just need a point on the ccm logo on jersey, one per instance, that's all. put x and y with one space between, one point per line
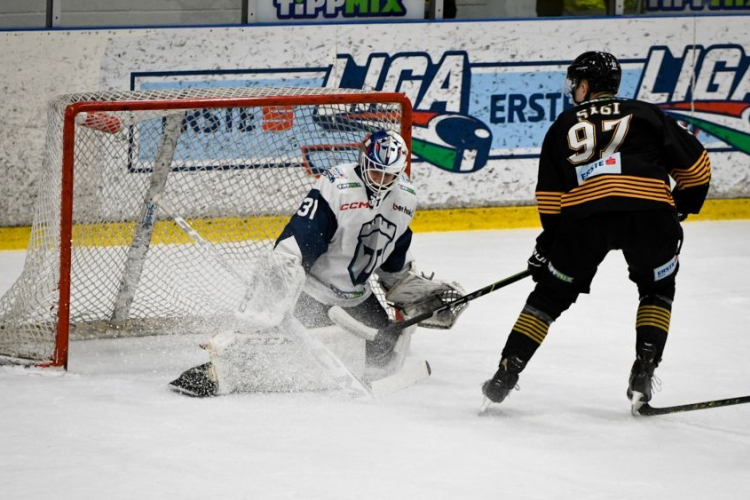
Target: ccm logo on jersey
355 205
408 211
609 165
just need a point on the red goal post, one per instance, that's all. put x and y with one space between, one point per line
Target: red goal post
107 259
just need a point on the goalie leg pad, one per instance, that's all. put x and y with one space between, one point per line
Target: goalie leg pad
273 360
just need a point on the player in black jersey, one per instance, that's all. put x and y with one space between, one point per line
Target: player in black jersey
604 184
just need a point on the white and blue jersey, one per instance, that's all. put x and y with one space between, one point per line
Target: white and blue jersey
342 238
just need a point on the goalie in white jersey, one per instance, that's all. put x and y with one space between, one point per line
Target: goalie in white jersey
352 225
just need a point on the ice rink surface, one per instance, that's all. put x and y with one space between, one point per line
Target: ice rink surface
110 429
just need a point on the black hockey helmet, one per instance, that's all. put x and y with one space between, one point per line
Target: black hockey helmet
600 69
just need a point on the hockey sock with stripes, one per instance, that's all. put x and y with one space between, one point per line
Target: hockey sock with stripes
652 322
528 333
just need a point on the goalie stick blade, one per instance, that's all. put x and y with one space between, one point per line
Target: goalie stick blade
407 376
648 411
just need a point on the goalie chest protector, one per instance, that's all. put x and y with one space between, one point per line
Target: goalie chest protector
365 235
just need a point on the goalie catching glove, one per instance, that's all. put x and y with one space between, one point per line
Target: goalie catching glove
417 294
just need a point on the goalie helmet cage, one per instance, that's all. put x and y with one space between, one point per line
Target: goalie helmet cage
128 175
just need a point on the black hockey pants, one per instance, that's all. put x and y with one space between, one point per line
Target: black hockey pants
650 241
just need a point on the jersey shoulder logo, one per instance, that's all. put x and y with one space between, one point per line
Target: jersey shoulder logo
334 173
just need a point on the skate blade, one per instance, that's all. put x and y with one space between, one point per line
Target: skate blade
486 402
636 403
185 392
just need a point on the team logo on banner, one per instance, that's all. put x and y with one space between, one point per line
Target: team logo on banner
705 87
444 131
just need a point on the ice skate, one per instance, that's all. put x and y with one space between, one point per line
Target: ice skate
497 388
198 382
641 379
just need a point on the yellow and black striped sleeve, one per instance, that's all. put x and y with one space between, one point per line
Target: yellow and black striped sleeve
690 168
549 191
549 202
697 174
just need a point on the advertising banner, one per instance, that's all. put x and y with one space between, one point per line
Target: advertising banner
269 11
484 93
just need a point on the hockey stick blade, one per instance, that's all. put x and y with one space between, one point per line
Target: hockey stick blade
648 411
395 327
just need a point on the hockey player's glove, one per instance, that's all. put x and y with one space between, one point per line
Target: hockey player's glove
537 263
689 200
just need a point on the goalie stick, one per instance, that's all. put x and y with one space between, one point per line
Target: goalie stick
648 411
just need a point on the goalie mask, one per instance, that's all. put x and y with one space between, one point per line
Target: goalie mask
600 69
382 160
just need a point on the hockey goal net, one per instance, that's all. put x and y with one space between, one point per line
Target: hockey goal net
154 205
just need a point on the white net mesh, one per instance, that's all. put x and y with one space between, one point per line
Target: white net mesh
230 164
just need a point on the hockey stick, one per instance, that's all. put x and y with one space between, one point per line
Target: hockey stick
339 316
345 379
397 327
648 411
